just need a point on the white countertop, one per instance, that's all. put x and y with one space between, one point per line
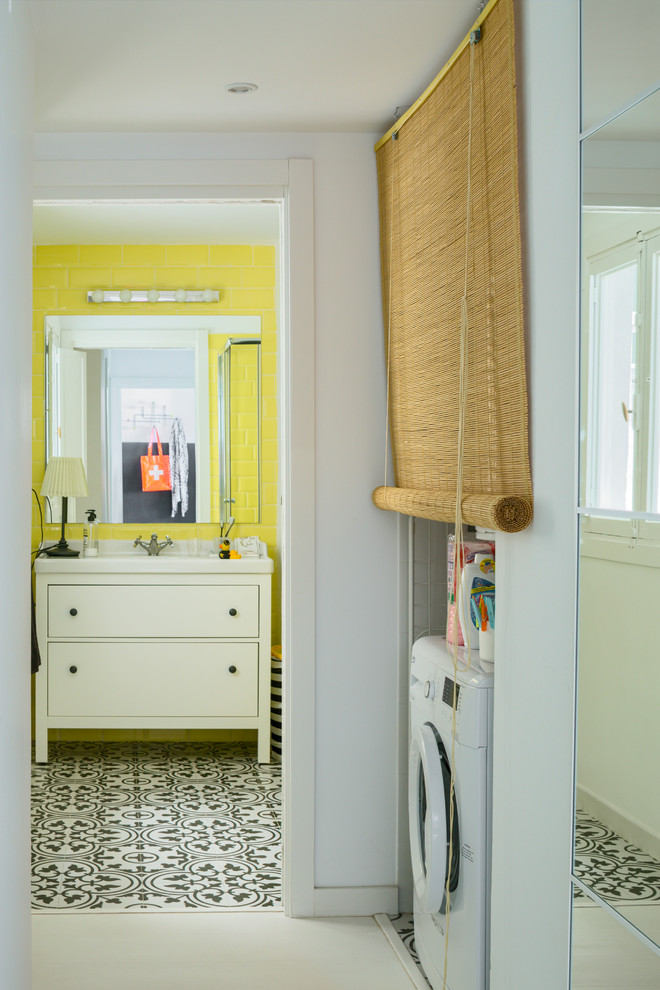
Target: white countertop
140 562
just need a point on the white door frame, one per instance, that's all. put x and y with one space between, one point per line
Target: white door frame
291 181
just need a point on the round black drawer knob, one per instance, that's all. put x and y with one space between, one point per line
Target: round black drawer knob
73 670
232 611
232 669
73 611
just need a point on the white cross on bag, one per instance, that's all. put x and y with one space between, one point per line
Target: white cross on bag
156 472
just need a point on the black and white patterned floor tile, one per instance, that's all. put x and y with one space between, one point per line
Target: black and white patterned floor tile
403 925
614 868
155 827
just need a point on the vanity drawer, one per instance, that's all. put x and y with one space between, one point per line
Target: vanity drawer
152 679
146 611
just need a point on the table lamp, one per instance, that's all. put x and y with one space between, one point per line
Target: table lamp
65 477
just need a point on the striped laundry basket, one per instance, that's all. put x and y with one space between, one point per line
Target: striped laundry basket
276 704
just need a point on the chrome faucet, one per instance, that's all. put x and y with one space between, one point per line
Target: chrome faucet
153 547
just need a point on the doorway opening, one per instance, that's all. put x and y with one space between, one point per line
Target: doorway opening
205 788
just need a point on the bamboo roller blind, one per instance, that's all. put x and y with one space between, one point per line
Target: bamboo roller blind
423 191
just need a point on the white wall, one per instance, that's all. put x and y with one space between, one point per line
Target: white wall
15 415
536 569
357 646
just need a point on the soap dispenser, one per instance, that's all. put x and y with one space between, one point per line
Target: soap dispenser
90 534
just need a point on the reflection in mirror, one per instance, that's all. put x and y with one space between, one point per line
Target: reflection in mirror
617 828
239 430
112 402
620 362
620 413
117 386
619 55
149 406
607 954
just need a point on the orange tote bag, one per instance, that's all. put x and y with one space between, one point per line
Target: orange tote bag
155 467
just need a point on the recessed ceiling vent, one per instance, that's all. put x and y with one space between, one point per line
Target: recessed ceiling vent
241 88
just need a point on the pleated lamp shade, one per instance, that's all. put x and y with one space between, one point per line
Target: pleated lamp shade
65 476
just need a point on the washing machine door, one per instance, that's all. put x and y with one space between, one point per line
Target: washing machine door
429 789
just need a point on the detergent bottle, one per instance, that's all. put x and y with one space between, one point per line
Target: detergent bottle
455 563
476 599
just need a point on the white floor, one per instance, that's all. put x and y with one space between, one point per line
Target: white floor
228 951
607 956
246 950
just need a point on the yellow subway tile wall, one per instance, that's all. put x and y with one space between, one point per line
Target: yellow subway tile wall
245 276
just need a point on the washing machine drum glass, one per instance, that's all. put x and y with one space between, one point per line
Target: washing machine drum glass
434 858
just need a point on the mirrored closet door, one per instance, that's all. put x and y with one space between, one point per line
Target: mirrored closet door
617 826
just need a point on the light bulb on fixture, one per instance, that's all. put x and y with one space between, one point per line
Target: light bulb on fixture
153 295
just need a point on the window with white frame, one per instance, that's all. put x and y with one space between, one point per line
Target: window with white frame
621 374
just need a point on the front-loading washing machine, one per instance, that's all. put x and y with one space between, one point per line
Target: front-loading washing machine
451 715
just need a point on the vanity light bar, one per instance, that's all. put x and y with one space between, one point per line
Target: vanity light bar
153 295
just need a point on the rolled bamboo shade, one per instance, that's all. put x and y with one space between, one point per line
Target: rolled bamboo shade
423 180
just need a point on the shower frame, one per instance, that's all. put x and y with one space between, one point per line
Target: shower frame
224 427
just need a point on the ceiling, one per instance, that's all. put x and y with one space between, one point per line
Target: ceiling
320 65
162 66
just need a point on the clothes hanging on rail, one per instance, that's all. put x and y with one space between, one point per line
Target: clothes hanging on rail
178 452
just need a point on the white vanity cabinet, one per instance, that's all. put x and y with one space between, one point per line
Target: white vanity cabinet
153 642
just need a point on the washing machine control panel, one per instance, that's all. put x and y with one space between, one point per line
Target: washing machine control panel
451 692
451 697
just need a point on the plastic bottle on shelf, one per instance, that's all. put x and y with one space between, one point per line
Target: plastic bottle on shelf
470 548
477 584
90 534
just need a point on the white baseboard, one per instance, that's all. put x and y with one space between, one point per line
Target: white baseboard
345 902
628 828
404 956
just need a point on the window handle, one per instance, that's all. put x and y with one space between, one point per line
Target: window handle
626 412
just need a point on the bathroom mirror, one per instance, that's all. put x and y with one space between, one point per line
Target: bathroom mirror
116 384
617 829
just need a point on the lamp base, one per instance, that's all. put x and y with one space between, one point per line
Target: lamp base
62 549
